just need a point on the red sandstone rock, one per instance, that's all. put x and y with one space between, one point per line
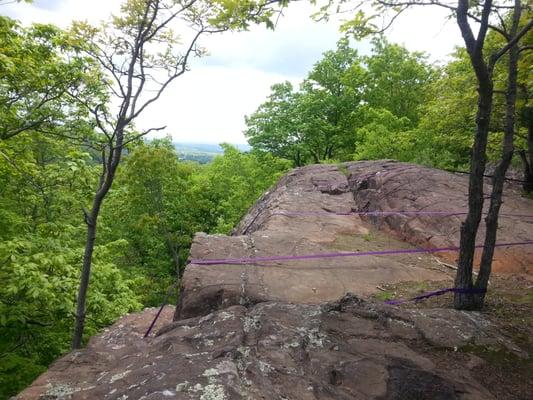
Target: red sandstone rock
277 330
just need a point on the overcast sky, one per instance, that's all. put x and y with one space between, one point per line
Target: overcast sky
208 103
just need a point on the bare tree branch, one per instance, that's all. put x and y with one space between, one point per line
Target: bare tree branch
495 57
181 68
142 134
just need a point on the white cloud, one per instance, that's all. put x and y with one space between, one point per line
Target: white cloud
426 29
62 12
291 49
208 104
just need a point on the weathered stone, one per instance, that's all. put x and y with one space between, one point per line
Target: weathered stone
288 329
296 217
393 186
272 350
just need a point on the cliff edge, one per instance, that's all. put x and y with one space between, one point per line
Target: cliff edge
367 206
265 321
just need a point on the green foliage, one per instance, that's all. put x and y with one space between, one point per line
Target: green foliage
348 104
54 98
47 174
147 225
39 275
16 372
43 184
43 180
390 104
397 80
314 124
273 127
383 136
149 208
444 136
38 66
226 188
384 295
239 14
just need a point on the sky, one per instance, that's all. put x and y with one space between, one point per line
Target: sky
208 103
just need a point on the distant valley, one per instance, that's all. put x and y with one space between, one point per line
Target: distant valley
202 152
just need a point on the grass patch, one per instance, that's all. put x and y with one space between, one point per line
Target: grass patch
384 295
422 286
368 237
527 195
527 298
500 358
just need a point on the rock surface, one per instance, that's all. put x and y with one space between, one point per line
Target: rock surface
349 349
389 186
289 330
300 216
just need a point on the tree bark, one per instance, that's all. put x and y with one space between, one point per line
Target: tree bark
530 144
527 185
527 158
491 221
498 180
85 273
110 166
475 298
469 228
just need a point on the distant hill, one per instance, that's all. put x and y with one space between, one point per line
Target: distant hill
202 152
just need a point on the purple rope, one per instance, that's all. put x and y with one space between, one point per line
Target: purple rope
154 320
387 213
165 301
435 293
218 261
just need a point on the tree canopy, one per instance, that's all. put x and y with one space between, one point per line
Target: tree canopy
69 100
342 104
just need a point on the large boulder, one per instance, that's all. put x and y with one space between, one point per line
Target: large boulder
308 212
389 186
349 349
289 330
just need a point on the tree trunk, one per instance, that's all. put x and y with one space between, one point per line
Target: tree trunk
330 152
91 220
110 166
527 185
491 221
470 226
530 144
468 298
327 152
298 159
527 158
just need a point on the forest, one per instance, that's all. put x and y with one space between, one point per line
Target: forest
71 156
390 104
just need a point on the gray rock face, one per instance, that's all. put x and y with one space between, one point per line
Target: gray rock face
349 349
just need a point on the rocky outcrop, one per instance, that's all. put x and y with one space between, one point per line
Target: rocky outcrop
390 186
349 349
300 215
291 329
